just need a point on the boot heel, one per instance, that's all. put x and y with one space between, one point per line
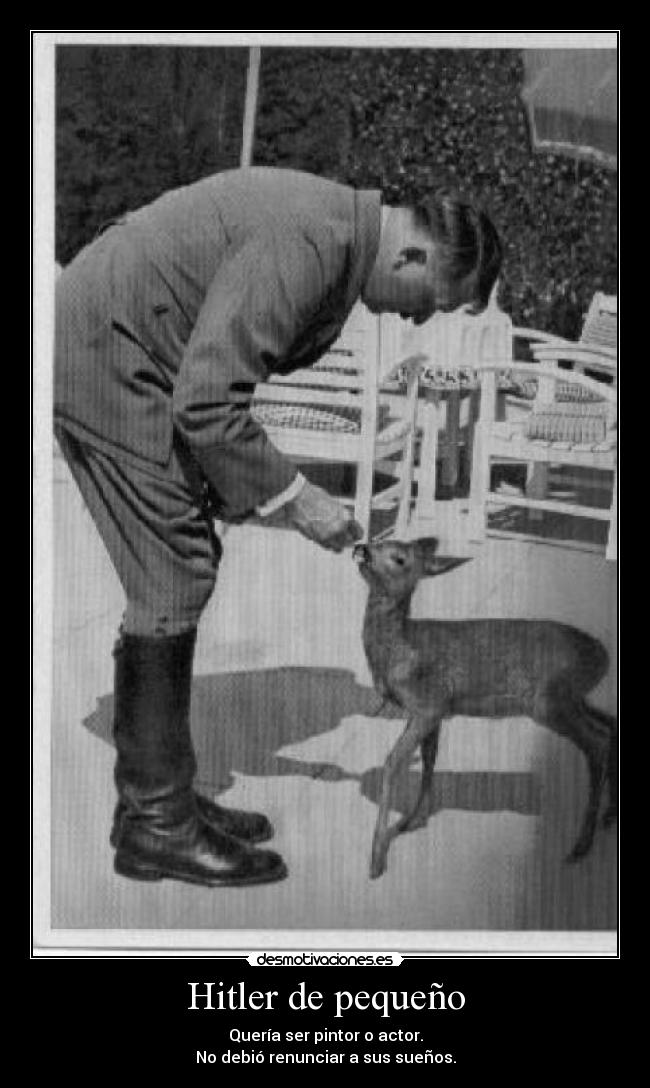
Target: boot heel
136 870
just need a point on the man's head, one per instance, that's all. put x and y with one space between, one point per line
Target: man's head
438 255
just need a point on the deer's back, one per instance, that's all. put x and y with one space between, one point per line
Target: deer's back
518 658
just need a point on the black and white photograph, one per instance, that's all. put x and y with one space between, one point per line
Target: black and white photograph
325 492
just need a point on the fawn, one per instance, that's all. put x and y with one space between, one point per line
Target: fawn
435 669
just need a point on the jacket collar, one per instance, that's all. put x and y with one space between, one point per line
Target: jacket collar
367 227
334 312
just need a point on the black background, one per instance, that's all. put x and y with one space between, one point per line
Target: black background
521 1018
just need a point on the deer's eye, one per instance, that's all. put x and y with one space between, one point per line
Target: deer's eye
400 560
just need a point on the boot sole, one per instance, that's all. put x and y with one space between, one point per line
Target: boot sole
143 871
249 840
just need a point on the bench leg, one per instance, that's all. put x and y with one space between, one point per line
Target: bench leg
537 485
452 440
406 483
479 484
428 418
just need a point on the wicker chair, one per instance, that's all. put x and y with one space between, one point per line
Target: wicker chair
453 349
573 422
335 412
597 348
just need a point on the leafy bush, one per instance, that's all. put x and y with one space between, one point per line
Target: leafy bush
134 121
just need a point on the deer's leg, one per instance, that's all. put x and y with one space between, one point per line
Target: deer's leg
608 726
611 812
416 730
596 762
572 719
420 812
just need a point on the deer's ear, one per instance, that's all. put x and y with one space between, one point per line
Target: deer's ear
432 563
440 564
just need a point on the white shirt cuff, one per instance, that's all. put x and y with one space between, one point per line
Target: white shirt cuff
289 493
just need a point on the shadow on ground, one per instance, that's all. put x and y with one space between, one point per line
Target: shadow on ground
241 721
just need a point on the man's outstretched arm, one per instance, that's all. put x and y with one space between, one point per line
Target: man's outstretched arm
258 303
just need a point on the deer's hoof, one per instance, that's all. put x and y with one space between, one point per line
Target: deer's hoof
578 853
377 867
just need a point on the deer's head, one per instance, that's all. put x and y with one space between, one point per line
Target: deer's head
394 568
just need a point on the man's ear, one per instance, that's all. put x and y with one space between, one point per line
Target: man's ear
432 563
410 255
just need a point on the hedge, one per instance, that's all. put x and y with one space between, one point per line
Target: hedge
134 121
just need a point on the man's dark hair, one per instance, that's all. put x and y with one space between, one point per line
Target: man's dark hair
471 248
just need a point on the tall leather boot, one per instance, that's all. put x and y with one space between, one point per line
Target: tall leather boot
249 826
252 827
161 832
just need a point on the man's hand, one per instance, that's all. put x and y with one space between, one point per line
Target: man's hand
322 519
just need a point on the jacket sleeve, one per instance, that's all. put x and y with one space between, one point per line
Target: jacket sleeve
258 302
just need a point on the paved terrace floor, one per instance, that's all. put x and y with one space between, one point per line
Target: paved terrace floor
284 721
